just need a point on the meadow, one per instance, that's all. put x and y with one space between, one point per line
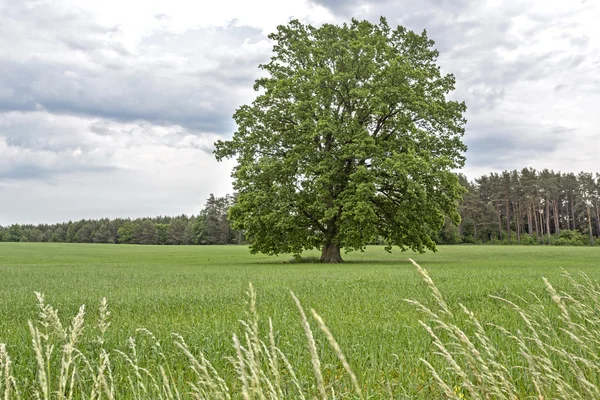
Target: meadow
201 293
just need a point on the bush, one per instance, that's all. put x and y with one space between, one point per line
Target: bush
450 234
494 238
512 239
569 238
561 242
527 239
469 239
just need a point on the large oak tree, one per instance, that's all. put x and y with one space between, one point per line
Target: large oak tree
351 139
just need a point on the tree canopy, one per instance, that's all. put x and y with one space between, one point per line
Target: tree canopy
210 226
350 138
527 207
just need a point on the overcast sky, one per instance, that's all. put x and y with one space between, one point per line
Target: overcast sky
110 108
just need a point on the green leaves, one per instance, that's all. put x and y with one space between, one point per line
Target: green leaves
350 138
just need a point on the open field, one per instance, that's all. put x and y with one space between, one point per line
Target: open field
200 292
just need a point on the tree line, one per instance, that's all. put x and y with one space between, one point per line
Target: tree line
513 207
210 226
528 207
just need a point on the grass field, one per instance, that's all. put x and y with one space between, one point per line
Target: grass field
200 293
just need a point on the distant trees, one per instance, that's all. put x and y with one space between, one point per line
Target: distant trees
146 232
15 234
215 224
103 234
211 226
528 207
514 207
176 234
125 233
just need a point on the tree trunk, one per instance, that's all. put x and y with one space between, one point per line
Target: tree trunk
529 222
590 225
565 214
548 219
556 216
573 210
499 221
508 217
541 221
534 212
597 219
517 214
331 254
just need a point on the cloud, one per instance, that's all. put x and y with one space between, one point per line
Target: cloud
505 146
191 79
112 110
91 168
45 146
37 172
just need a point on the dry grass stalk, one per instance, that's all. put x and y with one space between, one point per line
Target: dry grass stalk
338 351
312 348
436 293
559 354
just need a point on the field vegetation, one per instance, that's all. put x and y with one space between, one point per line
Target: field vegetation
202 293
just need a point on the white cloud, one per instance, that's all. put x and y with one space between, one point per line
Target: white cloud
105 169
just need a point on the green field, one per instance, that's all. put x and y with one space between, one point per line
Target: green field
200 292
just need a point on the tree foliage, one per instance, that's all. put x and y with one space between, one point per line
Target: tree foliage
211 226
350 138
215 223
529 206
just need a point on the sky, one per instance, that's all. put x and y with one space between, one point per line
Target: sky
110 108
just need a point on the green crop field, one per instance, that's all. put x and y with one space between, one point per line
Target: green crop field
200 292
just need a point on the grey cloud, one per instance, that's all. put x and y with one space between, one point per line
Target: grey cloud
14 87
483 97
343 6
190 79
509 146
35 131
139 94
25 172
347 8
79 195
37 172
579 41
43 146
42 131
492 72
143 133
33 21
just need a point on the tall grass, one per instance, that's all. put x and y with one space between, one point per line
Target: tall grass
557 355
